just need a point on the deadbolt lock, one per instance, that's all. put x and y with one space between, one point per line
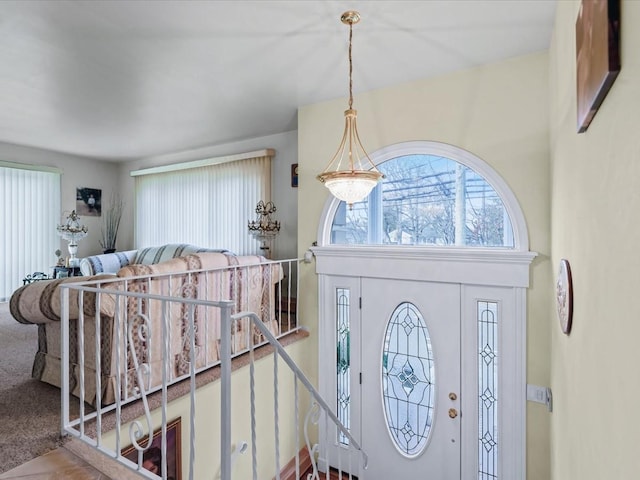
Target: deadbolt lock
453 413
453 396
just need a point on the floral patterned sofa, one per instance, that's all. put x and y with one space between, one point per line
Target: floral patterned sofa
133 327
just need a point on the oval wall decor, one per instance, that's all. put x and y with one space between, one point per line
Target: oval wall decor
564 296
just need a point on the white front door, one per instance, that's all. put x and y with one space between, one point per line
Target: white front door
410 394
475 317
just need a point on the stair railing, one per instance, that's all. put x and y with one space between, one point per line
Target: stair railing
319 409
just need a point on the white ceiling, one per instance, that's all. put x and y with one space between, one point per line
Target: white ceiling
129 79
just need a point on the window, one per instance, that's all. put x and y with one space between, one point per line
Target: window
29 213
204 203
426 200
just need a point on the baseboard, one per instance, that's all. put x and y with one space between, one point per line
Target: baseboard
289 470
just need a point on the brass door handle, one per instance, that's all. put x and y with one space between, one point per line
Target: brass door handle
453 413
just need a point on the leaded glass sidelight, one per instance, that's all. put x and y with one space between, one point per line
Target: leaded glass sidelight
343 361
488 389
408 386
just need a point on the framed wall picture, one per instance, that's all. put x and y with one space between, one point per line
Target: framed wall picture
564 296
597 55
88 202
152 456
294 175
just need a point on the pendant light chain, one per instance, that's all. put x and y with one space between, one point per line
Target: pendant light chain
350 67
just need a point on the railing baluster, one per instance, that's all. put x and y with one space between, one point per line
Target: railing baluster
192 372
64 342
296 423
289 280
339 449
202 294
225 394
80 347
166 306
125 338
252 396
98 354
276 413
116 327
165 377
326 447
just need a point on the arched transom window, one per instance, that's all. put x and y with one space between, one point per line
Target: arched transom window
426 199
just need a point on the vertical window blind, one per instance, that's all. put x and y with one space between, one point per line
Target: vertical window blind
205 205
29 214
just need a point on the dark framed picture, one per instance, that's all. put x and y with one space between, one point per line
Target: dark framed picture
597 55
564 296
152 456
294 175
88 202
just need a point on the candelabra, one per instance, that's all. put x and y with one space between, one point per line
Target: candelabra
264 228
72 231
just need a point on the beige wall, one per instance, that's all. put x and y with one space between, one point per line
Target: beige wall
499 112
76 172
596 199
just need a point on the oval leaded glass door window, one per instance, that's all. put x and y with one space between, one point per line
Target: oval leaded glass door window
408 386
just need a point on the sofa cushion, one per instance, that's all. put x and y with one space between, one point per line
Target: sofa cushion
106 263
154 255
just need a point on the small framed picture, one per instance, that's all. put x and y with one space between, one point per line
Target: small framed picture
294 175
88 202
597 55
152 456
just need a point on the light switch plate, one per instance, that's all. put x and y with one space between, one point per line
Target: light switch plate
538 394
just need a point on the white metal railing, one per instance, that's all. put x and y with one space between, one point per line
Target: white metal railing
318 410
126 341
88 426
140 335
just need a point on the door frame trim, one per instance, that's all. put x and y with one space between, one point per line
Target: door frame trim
477 266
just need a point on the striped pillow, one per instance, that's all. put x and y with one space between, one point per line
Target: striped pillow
153 255
106 263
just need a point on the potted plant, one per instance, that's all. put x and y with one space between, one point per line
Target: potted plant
110 223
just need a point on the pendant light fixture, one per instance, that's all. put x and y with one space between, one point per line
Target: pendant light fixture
350 175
